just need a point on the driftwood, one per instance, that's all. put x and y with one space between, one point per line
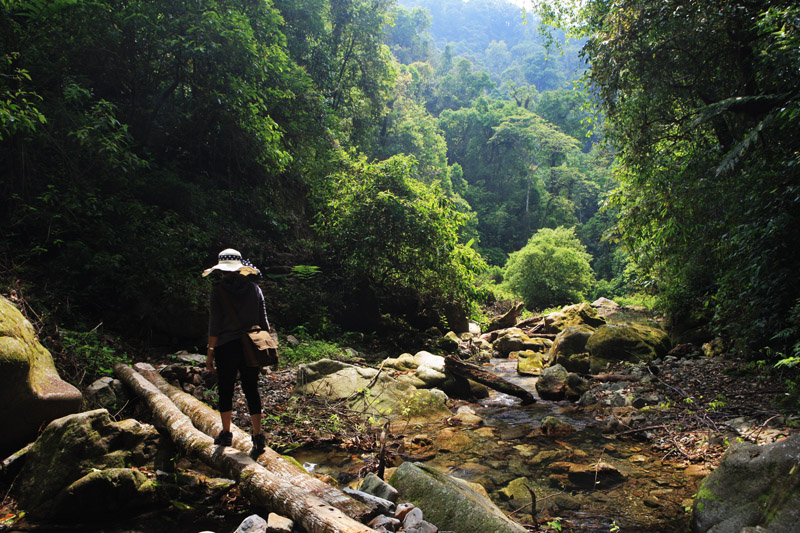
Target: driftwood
508 319
207 420
458 367
538 320
614 377
259 485
533 335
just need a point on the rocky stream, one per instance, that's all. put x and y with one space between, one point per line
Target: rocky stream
609 444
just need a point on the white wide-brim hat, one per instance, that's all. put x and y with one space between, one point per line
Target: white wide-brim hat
230 260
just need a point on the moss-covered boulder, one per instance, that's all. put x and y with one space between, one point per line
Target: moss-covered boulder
105 493
530 363
515 340
754 486
557 384
578 362
31 391
581 314
569 349
625 342
553 383
84 455
372 392
448 502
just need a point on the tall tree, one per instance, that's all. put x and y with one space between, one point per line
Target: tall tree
703 106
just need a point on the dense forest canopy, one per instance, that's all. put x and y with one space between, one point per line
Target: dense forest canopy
384 161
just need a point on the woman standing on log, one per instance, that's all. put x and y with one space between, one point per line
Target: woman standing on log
236 303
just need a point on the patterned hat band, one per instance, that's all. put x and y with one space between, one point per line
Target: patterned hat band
231 260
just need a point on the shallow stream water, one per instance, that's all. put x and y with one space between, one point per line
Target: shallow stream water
510 445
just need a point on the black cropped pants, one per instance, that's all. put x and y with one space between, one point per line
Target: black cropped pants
229 360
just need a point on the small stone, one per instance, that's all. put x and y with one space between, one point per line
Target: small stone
422 527
252 524
568 502
652 501
412 518
292 340
402 510
279 524
375 486
388 523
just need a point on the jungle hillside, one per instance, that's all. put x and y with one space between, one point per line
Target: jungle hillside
394 167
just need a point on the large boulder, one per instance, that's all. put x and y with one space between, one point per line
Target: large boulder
373 392
450 503
515 340
557 384
529 363
581 314
569 349
754 486
88 459
626 342
31 392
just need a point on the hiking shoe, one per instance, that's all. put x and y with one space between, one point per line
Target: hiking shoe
259 443
225 438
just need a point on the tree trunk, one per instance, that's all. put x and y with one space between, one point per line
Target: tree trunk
460 368
207 420
259 485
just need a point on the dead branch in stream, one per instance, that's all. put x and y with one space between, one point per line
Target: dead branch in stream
262 487
456 366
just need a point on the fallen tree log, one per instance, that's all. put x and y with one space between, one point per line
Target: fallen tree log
457 367
259 485
614 377
207 420
534 335
538 320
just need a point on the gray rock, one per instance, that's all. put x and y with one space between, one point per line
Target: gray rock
381 505
195 359
292 340
449 503
375 486
605 302
422 527
106 393
385 523
252 524
552 385
753 486
412 518
567 501
67 462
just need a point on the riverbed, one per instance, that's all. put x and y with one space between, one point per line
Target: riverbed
633 490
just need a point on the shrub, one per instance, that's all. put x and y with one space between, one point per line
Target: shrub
552 269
